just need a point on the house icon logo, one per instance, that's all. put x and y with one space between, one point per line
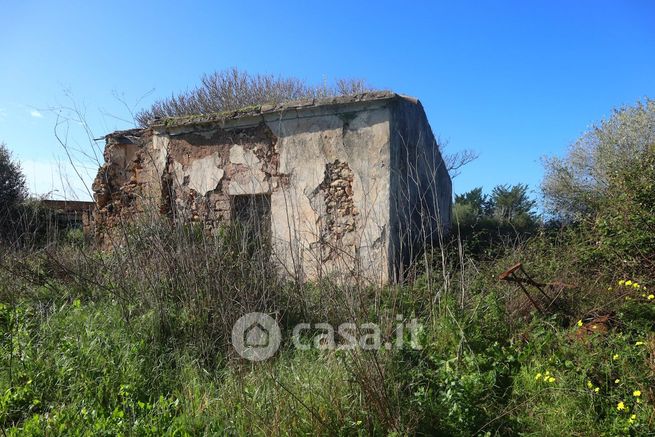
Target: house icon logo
256 336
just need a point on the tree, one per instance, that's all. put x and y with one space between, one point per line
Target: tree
233 89
507 203
483 219
478 202
606 185
576 186
13 191
512 204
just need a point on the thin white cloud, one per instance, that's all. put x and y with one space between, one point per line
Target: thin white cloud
36 114
57 180
3 114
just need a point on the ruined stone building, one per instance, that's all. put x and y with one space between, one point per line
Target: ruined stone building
352 184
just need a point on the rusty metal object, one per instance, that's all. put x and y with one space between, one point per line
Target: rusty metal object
517 275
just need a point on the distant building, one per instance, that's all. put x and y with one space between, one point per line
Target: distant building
70 213
341 185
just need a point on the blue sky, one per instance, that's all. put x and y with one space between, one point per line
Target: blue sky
512 80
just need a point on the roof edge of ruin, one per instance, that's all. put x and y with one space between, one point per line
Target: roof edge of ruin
291 105
128 133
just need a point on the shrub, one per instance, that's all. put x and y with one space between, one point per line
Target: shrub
581 184
234 89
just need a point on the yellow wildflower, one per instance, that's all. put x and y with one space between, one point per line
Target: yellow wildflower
622 281
633 417
537 376
639 343
551 379
596 389
635 285
651 296
620 406
636 393
615 357
579 323
628 283
617 380
589 384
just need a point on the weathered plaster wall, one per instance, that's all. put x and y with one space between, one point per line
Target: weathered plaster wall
421 189
332 218
206 166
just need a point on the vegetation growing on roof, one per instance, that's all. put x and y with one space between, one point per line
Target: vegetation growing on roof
234 90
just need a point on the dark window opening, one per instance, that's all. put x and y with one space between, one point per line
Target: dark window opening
252 215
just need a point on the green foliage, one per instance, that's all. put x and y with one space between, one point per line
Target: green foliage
512 204
624 224
75 237
13 188
13 191
615 236
460 379
75 361
606 185
83 369
594 383
23 221
581 184
78 369
477 202
485 221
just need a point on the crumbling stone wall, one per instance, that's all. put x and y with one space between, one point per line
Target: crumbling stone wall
204 170
193 180
339 223
119 181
